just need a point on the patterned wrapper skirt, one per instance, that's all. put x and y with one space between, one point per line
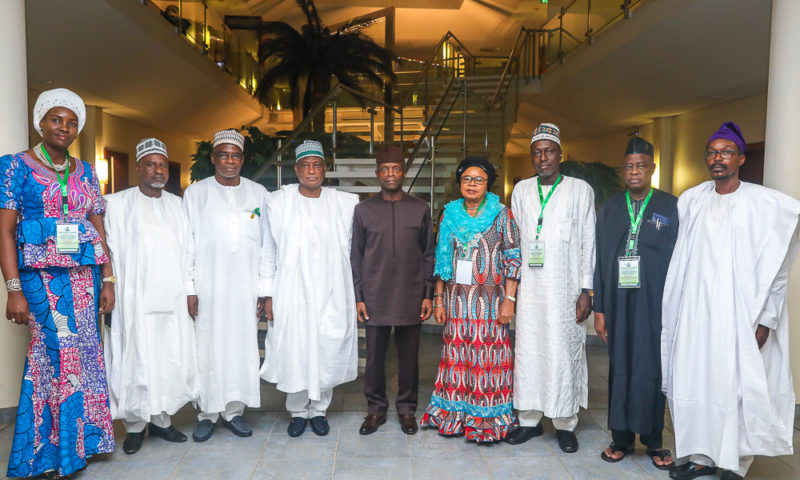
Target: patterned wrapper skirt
473 392
63 416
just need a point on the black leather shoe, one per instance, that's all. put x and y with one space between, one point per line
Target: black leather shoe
296 426
567 441
170 434
523 434
728 475
203 430
690 470
408 424
319 425
133 442
371 423
238 426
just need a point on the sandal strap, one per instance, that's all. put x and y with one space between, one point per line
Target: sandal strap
661 453
619 448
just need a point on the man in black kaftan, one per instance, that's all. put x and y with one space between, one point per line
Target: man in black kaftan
636 233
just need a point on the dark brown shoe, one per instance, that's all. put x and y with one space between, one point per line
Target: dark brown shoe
408 424
371 423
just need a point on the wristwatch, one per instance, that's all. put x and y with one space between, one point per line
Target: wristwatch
588 291
112 279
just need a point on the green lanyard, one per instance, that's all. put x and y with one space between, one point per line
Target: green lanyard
635 221
63 181
543 200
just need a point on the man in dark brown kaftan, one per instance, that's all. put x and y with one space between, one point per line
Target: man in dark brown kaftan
392 256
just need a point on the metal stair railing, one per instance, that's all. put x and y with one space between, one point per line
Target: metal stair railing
331 97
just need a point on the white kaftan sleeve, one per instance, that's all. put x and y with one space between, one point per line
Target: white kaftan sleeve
776 298
266 272
189 268
587 236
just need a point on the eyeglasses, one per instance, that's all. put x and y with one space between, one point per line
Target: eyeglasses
311 165
547 151
725 154
225 155
478 180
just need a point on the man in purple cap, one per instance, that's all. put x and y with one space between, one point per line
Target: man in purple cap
725 338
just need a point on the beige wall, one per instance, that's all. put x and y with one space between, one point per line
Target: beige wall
691 132
121 135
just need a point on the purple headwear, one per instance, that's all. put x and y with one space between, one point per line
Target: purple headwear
730 131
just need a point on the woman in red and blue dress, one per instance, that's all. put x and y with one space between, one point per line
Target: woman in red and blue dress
478 260
52 254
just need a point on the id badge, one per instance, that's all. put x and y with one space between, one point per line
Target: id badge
536 254
67 240
628 272
464 272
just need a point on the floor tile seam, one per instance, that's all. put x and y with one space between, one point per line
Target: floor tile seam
336 450
180 463
566 468
263 448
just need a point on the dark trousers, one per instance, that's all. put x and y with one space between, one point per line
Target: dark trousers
407 341
626 437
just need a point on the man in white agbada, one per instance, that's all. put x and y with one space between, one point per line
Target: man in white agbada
556 217
226 287
725 335
311 344
150 346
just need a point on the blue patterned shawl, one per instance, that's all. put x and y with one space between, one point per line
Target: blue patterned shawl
458 224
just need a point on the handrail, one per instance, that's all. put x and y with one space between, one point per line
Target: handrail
410 159
428 63
512 56
319 107
433 141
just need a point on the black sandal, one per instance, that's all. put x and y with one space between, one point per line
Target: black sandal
614 449
661 453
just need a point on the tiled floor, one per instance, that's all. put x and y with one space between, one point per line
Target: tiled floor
388 454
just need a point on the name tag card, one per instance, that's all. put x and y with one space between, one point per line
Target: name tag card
628 272
67 238
536 254
464 272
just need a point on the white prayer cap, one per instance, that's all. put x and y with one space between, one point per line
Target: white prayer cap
229 136
546 131
309 148
146 146
58 97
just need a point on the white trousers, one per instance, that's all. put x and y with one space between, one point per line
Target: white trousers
744 463
232 409
299 405
161 420
532 418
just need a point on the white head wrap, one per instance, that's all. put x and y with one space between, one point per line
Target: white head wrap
546 131
58 97
229 136
146 146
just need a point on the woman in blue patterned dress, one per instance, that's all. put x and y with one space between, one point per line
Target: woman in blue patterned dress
478 259
52 253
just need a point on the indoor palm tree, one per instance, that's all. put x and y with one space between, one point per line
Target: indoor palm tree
308 60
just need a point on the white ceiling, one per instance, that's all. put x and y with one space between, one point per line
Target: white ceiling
671 57
122 56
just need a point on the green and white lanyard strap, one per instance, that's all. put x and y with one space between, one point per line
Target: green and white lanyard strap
62 181
543 201
635 222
